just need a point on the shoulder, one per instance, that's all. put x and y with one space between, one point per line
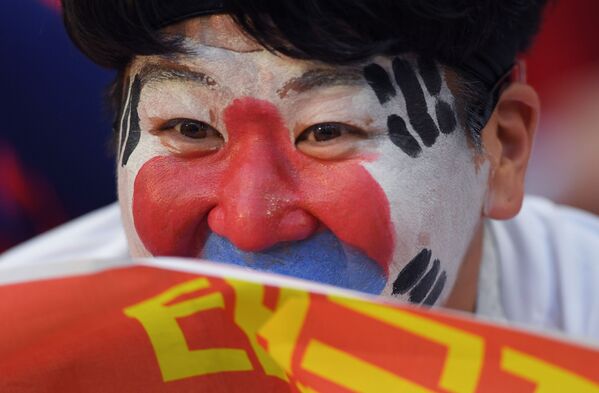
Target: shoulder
97 235
549 267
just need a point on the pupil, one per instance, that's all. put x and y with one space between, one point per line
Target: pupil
325 133
193 130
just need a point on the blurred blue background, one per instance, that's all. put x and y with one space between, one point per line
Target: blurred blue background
55 160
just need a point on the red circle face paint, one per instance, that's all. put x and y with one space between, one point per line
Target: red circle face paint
258 191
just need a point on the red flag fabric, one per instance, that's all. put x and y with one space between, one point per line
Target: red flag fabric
147 327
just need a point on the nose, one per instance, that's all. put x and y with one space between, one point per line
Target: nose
259 202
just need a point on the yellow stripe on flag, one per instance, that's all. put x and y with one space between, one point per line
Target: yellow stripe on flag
465 351
175 359
283 329
548 377
353 373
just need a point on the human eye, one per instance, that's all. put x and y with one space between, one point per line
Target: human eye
329 140
189 136
192 129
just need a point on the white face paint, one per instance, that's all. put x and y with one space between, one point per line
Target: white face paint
239 150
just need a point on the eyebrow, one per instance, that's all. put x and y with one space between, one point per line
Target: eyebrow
174 72
321 77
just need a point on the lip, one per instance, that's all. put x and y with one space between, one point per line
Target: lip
322 257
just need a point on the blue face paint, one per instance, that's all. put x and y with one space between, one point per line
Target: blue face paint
322 257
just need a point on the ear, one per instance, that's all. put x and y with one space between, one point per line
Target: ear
507 139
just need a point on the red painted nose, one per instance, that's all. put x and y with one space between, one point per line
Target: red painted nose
259 203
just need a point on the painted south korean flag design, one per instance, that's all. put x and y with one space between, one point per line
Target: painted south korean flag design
431 192
428 172
322 257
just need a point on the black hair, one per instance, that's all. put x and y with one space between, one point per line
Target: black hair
461 34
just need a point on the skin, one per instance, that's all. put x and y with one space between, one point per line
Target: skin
292 151
507 139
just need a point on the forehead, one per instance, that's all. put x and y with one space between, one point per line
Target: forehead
215 46
217 31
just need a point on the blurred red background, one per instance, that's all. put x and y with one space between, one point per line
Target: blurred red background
564 68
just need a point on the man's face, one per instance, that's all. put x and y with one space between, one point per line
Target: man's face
357 176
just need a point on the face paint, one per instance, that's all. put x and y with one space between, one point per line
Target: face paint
252 194
378 79
130 139
451 187
321 255
420 119
351 176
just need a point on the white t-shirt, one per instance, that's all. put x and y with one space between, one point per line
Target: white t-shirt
540 269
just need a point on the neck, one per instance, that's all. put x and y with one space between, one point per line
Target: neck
464 294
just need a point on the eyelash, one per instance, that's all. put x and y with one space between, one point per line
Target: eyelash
325 141
173 124
340 127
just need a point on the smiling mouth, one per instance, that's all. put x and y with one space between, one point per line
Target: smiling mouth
322 257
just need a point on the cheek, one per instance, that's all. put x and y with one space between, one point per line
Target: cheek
435 204
353 205
262 171
170 197
173 196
